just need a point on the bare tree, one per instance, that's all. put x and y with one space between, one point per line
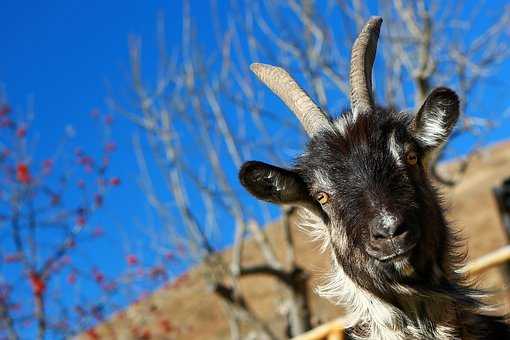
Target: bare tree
199 115
49 202
45 206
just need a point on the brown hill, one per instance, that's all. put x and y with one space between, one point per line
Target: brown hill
193 313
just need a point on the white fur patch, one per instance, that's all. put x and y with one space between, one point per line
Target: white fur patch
433 131
322 180
360 304
387 219
395 148
315 228
343 121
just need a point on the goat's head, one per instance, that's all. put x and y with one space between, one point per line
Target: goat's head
365 174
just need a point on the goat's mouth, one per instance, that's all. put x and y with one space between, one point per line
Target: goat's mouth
397 253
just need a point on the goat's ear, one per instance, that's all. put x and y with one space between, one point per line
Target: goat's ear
436 118
273 184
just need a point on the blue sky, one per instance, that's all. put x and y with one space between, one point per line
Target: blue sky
68 55
65 56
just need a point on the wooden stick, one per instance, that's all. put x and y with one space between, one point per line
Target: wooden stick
336 334
487 261
332 328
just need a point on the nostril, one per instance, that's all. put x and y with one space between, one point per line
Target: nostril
383 232
401 229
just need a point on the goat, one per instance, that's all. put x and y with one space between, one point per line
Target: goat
364 183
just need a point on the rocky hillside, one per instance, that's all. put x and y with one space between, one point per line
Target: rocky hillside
188 311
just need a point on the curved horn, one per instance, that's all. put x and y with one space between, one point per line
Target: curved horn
362 60
297 100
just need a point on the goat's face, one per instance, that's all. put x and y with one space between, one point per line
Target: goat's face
365 175
366 178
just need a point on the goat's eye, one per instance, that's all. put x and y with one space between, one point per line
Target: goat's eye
322 197
411 158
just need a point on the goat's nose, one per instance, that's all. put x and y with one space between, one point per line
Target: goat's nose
385 231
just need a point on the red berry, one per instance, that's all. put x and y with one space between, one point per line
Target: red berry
21 132
132 259
98 276
47 165
110 147
23 173
166 326
4 109
115 181
94 113
97 232
71 278
80 220
12 258
169 256
37 283
55 199
108 120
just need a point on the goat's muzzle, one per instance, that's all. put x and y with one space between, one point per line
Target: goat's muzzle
391 241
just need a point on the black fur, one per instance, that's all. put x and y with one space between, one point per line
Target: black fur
361 164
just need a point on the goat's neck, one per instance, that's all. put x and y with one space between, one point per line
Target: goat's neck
370 317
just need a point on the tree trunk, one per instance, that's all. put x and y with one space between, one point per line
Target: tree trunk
299 310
